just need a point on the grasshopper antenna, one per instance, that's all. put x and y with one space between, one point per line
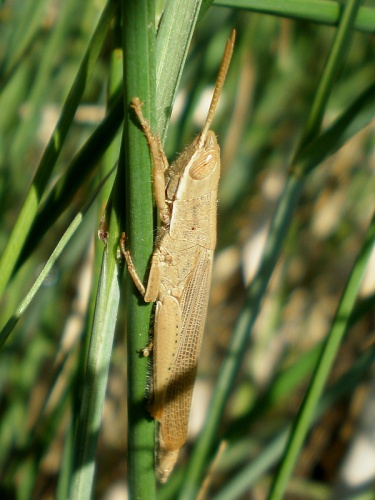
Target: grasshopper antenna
218 86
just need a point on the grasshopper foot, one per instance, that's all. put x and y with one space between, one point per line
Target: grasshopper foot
147 350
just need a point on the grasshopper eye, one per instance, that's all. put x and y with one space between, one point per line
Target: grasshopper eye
203 166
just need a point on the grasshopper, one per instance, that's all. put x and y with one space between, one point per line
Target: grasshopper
180 274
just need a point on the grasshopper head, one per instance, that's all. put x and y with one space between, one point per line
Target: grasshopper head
202 171
194 165
206 159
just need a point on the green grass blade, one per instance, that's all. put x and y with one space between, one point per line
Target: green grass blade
270 454
359 114
96 374
319 11
329 74
172 44
62 489
139 80
74 225
95 382
334 338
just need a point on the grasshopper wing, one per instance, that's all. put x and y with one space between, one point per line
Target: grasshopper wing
179 391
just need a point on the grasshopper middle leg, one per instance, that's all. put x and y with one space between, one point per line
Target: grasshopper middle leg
150 293
152 284
131 268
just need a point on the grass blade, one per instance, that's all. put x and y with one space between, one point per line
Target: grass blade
327 357
139 80
319 11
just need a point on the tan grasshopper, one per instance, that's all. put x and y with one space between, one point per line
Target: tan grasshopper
180 274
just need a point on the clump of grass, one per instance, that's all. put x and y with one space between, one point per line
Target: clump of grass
287 337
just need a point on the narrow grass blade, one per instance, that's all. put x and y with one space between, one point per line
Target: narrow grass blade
250 475
332 344
333 64
172 44
11 323
96 375
138 22
95 372
319 11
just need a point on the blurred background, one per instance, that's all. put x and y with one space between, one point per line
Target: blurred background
267 97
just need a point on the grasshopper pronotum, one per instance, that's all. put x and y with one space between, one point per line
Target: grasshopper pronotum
180 274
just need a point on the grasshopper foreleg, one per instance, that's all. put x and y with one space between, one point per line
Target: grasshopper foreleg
159 160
